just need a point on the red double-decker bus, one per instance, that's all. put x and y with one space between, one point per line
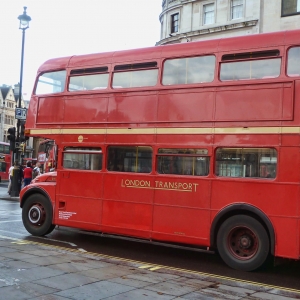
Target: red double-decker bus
192 144
5 161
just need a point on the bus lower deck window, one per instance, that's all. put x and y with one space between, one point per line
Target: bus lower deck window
137 159
246 162
183 162
82 158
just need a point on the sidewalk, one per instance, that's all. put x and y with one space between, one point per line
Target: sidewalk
5 196
31 270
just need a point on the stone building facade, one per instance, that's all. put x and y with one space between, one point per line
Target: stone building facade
8 102
192 20
7 111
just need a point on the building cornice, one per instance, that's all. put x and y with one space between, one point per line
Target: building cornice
204 31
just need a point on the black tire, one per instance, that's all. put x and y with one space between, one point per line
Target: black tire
243 243
37 215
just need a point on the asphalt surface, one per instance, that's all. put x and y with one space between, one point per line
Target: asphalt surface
31 270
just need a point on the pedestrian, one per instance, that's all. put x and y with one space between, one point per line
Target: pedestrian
10 175
27 172
36 170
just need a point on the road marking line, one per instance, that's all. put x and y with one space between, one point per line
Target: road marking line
21 243
38 237
155 268
145 266
11 221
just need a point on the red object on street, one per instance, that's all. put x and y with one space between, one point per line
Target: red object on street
195 144
5 160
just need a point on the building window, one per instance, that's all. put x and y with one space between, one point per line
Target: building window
209 14
236 9
290 7
174 23
9 120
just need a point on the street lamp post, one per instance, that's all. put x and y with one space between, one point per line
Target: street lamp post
16 182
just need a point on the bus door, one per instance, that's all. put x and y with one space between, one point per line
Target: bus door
181 210
128 191
79 186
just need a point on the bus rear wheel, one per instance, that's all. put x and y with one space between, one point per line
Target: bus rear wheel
243 243
37 215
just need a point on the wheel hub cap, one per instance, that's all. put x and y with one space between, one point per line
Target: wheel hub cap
34 214
245 242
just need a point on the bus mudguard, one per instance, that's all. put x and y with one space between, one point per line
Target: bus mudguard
242 209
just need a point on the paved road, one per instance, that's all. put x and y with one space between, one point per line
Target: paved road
71 269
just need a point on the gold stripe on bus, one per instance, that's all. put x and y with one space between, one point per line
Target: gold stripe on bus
185 130
131 130
159 131
248 130
84 131
290 129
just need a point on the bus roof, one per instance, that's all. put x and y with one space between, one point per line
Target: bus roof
151 53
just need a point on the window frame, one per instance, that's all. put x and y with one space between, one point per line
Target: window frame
243 152
110 164
147 66
97 150
250 60
287 63
206 154
51 71
173 25
231 10
204 13
162 72
291 14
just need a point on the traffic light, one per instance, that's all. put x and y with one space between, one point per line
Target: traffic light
23 147
11 137
23 138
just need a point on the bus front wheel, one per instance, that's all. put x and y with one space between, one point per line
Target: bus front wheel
37 215
243 243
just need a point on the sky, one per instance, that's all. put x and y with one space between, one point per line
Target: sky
61 28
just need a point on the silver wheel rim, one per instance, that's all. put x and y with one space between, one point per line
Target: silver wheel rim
34 214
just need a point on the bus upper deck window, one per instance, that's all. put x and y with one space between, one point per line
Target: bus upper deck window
293 68
135 75
88 79
189 70
138 78
252 69
51 83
